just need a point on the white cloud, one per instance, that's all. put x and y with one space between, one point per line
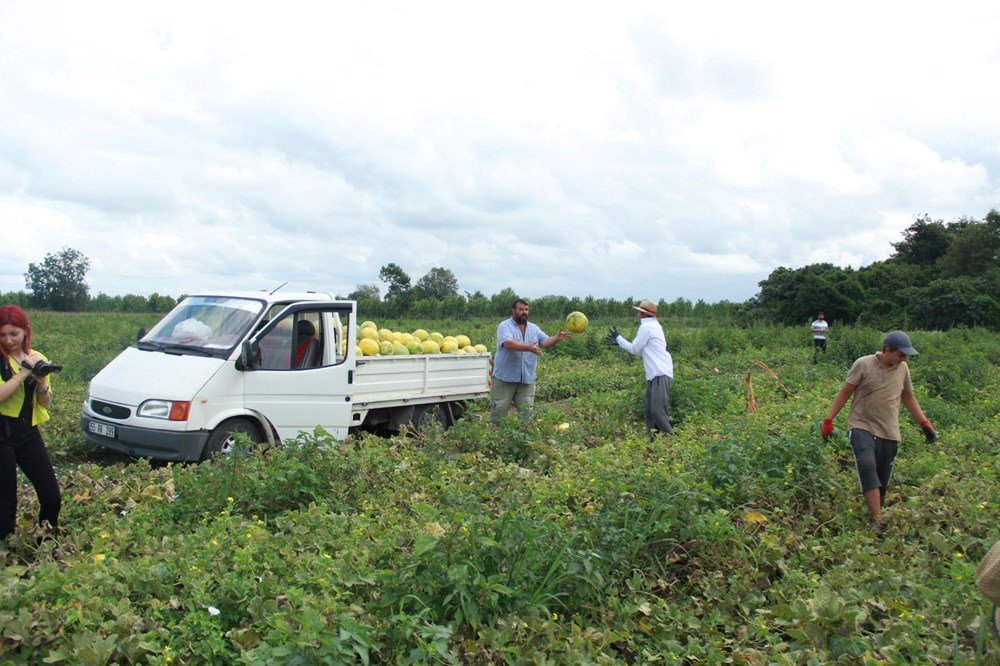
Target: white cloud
554 148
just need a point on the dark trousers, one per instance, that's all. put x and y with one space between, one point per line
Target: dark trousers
657 408
25 449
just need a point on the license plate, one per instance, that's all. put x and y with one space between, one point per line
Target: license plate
101 429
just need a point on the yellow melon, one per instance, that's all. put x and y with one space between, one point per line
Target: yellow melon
368 347
576 322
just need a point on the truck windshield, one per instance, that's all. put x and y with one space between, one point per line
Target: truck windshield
204 325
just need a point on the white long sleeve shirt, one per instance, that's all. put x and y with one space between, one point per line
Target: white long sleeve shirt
651 344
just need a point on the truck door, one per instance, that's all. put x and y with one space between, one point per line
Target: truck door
297 369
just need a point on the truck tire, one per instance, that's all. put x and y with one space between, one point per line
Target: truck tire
445 414
223 442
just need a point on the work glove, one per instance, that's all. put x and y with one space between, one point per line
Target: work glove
930 435
827 429
612 337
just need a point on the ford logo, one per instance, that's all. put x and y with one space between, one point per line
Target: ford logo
106 410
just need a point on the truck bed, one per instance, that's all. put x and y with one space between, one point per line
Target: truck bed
391 381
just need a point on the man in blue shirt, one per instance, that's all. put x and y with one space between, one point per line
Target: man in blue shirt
519 344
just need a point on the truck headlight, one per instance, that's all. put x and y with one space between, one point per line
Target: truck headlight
170 410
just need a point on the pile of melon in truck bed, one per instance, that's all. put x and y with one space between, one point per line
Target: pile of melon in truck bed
375 341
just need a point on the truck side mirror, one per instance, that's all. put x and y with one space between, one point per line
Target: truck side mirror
249 357
140 334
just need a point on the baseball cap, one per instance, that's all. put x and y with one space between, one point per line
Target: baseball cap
646 307
901 341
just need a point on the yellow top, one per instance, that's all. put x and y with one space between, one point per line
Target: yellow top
12 405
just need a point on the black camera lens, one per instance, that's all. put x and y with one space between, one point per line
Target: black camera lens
44 368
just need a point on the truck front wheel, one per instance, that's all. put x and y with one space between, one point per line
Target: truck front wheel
223 440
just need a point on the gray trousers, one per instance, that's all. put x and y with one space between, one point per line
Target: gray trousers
657 409
504 394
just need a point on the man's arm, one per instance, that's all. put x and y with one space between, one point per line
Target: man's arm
514 345
845 393
553 340
636 346
913 407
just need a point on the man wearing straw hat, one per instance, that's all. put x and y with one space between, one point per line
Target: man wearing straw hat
651 345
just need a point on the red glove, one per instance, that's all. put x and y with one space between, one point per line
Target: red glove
930 435
827 428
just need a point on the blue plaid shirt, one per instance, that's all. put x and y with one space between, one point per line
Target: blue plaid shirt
514 366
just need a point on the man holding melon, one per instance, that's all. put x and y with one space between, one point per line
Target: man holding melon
651 345
519 344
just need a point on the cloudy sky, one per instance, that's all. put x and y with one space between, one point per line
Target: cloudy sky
609 149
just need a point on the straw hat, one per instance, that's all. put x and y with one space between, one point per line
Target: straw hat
646 307
988 574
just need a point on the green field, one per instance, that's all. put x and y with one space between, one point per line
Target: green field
741 539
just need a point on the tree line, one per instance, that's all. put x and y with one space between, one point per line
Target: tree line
940 275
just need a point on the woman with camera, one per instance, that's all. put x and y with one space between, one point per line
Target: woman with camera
24 399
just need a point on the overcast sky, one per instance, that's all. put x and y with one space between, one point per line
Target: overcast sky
646 150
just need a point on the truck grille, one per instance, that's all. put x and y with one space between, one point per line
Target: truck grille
109 411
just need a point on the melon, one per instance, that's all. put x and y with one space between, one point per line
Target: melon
576 322
385 348
384 335
481 349
431 347
415 347
420 334
358 351
368 333
368 347
463 341
436 337
399 349
369 324
449 346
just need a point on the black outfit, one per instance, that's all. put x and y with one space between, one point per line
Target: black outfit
21 446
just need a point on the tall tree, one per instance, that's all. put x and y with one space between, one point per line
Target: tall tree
924 242
365 292
59 281
439 283
398 280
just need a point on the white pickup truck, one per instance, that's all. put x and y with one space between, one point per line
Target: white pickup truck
270 366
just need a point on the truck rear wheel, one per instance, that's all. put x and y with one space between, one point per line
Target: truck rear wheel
445 414
223 440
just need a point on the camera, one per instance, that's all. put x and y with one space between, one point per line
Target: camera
43 368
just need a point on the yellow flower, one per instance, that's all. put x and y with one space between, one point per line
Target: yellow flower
100 557
555 616
214 542
230 500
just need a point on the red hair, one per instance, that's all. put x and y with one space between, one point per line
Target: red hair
15 316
